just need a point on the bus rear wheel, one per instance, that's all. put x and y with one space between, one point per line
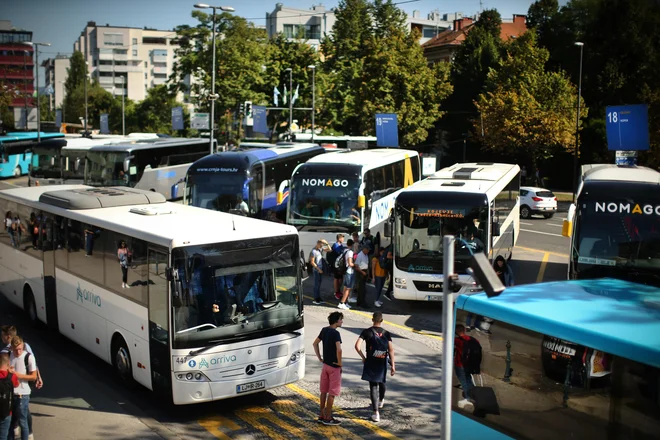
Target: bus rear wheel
121 360
30 306
17 171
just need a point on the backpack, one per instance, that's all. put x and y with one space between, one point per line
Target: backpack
340 263
6 396
377 346
383 262
331 257
471 359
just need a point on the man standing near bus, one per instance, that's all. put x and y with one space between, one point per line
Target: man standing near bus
361 273
316 261
349 276
332 363
26 371
337 251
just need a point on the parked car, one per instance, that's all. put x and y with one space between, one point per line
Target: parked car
537 201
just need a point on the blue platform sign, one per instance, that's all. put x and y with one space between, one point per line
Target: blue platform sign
627 127
177 118
387 130
104 123
260 120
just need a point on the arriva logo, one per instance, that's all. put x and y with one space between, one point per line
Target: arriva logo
627 208
412 268
325 182
217 361
83 295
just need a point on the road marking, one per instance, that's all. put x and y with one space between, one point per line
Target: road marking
539 232
369 425
263 419
307 419
547 224
558 254
213 425
544 263
402 327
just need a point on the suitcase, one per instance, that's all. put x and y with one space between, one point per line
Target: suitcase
484 399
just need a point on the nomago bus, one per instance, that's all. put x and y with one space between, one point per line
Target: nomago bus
16 154
347 191
476 202
615 224
253 174
209 312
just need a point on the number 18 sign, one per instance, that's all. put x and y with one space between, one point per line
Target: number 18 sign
627 127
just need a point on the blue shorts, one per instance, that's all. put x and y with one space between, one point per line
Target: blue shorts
349 280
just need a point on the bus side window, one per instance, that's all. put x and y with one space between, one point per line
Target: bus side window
398 174
368 195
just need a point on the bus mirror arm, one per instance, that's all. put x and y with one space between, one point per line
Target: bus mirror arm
280 191
485 276
495 229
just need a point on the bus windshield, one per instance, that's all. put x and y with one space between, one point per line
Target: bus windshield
421 223
106 168
235 290
73 164
325 202
218 191
47 163
618 236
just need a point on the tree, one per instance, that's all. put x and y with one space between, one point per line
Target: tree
74 101
154 113
540 17
528 111
490 21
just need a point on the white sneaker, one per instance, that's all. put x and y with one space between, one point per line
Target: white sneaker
127 286
352 300
17 432
378 303
342 306
381 403
123 285
31 437
375 417
348 307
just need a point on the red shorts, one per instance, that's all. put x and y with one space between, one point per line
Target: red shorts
331 380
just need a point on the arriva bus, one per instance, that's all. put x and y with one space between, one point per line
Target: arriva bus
569 360
476 202
615 225
245 181
48 163
16 154
348 191
151 164
193 313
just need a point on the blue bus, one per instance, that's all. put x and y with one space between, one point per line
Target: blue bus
246 181
570 359
16 151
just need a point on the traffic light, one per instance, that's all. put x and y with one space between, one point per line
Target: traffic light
248 109
240 108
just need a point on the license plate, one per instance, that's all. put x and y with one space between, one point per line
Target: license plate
434 298
251 386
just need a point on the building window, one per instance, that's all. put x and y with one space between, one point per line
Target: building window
145 76
134 52
145 64
159 52
120 51
113 39
154 40
429 33
298 31
134 41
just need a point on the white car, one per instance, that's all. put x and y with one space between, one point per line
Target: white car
537 201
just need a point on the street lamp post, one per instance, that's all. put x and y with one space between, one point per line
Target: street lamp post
63 112
288 69
36 53
213 95
123 120
85 82
577 124
313 67
25 53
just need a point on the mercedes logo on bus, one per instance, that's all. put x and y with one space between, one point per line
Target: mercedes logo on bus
250 369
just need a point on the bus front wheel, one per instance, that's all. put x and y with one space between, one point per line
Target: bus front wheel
121 359
17 171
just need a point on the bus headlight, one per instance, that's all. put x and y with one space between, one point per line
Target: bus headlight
296 356
196 376
399 280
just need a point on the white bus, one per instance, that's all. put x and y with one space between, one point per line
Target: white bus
477 202
347 191
150 164
200 313
615 224
48 167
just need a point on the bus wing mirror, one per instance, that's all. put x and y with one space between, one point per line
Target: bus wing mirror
280 191
387 229
361 201
485 275
52 161
496 229
567 226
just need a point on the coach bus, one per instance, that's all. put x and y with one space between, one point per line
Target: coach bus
15 151
246 181
48 163
476 202
348 191
193 313
350 142
569 359
151 164
615 224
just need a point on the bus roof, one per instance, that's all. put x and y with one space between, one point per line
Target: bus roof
257 154
619 173
146 144
614 316
170 224
27 136
477 177
372 157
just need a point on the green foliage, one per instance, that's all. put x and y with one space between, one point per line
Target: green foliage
490 21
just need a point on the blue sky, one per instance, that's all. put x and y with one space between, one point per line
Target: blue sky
60 22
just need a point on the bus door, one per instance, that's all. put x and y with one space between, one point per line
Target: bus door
49 237
257 188
159 352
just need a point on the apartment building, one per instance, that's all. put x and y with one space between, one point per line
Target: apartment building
432 25
17 73
56 72
127 60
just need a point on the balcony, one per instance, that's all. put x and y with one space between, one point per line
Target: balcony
159 59
104 80
106 56
159 81
118 91
17 59
158 70
118 69
118 57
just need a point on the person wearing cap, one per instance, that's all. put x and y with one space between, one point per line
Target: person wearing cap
361 271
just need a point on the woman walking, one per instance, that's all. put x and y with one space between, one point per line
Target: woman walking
122 255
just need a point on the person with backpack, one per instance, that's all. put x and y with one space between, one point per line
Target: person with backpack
332 256
22 364
467 360
316 261
8 382
345 265
379 271
379 350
